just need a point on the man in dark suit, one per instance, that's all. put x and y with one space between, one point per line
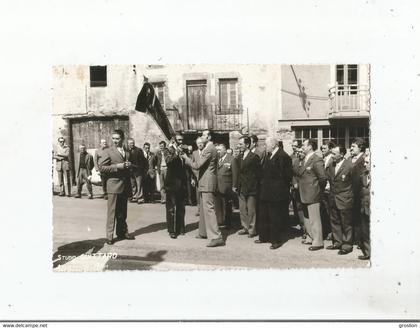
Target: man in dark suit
207 186
254 148
312 181
249 172
327 156
365 210
191 190
340 179
84 166
115 163
62 165
149 175
96 158
161 166
274 195
175 184
357 152
226 170
138 163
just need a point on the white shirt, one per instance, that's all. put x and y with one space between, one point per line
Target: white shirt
338 165
121 150
222 158
327 159
246 153
308 156
274 152
253 149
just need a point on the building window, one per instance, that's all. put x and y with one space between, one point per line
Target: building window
347 78
228 95
160 92
98 76
359 132
302 134
334 133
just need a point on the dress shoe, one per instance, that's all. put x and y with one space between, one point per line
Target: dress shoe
243 232
173 235
61 194
78 196
305 242
344 251
162 202
252 235
140 201
110 241
216 243
275 246
363 257
200 237
331 247
315 248
128 237
105 197
258 241
90 196
69 195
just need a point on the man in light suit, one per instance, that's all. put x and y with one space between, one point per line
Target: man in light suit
115 163
207 186
274 195
247 183
340 179
62 164
195 158
96 158
312 181
226 170
84 166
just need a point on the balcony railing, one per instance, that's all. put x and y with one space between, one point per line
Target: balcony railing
349 100
214 117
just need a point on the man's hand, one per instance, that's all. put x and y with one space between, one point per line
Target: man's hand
128 164
235 190
120 166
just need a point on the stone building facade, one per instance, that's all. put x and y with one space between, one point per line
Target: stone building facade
288 101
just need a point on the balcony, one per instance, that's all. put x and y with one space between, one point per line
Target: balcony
203 117
349 101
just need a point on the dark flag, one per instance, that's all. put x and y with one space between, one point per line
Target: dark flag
147 102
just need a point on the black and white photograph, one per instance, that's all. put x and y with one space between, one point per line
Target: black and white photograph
179 167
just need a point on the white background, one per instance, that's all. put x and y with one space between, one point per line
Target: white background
36 35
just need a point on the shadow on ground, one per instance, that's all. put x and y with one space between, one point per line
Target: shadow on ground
136 262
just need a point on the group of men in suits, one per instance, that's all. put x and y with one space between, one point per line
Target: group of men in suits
331 194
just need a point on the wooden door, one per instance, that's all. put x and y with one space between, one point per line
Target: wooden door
197 110
90 131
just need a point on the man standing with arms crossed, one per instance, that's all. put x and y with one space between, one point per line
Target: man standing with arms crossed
207 186
115 163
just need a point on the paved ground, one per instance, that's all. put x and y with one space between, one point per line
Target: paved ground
79 244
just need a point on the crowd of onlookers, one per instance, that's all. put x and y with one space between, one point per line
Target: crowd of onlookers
330 193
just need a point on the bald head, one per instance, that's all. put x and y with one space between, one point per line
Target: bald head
271 144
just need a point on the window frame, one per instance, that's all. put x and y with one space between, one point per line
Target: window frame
96 83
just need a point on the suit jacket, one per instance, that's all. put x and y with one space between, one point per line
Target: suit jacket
358 169
341 192
157 161
261 154
276 177
365 192
312 180
329 163
195 157
97 157
149 168
249 174
88 163
61 156
176 178
118 180
226 170
138 160
206 164
295 168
